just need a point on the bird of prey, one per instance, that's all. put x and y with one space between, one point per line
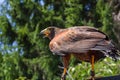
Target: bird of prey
83 42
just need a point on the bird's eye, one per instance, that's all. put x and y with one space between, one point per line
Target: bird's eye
50 29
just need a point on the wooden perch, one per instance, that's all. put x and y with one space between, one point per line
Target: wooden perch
117 77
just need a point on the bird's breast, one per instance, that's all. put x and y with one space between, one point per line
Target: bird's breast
54 46
57 41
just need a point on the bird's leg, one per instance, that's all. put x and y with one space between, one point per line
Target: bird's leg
65 62
92 73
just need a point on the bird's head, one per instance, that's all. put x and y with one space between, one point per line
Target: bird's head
49 32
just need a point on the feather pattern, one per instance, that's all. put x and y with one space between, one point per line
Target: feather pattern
80 40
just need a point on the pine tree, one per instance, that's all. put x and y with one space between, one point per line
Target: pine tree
25 55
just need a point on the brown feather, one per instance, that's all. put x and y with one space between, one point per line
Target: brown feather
85 43
80 40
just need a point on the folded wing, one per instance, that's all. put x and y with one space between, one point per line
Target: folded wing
77 39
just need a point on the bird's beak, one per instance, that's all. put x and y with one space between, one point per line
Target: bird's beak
42 32
45 33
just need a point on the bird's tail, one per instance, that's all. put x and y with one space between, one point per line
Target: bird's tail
113 51
108 49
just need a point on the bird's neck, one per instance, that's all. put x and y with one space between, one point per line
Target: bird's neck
54 33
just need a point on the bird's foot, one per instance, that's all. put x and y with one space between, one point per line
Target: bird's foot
63 77
91 78
92 73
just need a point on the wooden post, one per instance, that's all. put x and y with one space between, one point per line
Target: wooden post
117 77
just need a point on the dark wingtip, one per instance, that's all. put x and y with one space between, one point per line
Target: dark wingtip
115 54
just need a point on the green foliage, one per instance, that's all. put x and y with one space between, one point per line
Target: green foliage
26 56
106 67
73 13
103 9
10 67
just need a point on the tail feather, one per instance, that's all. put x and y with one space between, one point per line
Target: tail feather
114 52
109 50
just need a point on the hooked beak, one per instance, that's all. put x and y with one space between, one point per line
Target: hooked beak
44 33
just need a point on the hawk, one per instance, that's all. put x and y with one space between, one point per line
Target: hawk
83 42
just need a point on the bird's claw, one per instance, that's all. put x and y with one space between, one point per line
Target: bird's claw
63 77
92 73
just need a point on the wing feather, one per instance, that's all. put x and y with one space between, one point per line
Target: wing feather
76 40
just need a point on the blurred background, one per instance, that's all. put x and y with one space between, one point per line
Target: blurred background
26 56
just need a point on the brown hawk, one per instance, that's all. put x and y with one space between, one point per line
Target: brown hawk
84 42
